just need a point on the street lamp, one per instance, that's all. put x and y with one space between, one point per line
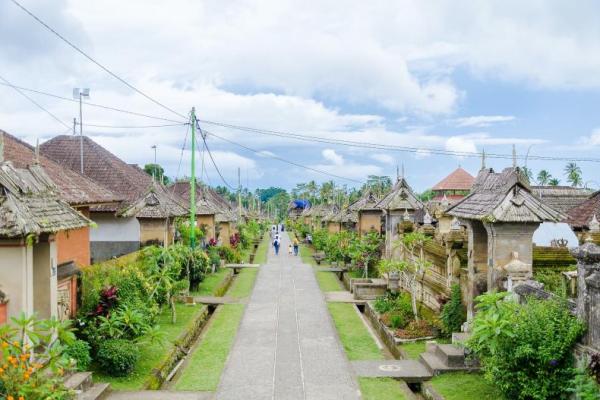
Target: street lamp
79 94
154 169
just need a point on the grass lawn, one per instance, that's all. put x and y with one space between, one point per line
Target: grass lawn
152 354
328 281
261 251
464 386
380 389
414 349
204 368
306 253
356 339
243 283
211 283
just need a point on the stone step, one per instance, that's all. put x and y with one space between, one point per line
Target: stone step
432 363
451 355
79 381
97 392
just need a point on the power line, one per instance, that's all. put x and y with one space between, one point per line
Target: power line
385 147
18 90
83 53
138 114
213 161
133 126
283 159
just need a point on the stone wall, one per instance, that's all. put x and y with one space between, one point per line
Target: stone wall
588 293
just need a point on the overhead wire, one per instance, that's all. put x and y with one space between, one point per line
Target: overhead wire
18 90
132 126
282 159
90 58
212 159
94 104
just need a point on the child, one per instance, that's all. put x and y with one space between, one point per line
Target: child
290 249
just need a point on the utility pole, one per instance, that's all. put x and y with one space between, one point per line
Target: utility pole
193 183
80 94
239 196
155 166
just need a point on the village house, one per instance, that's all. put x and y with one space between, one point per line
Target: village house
584 219
81 193
296 207
145 215
501 214
31 215
399 207
330 220
213 213
453 187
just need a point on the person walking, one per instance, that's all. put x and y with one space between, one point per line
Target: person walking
276 244
296 246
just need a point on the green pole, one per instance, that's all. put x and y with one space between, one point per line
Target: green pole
193 183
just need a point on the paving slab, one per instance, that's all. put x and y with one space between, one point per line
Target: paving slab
159 395
286 346
407 370
342 296
216 300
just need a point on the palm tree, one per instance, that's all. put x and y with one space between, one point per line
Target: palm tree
553 182
573 173
528 174
543 177
312 188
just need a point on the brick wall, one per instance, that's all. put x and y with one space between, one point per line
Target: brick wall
74 245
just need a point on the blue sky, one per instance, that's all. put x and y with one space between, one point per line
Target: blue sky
435 74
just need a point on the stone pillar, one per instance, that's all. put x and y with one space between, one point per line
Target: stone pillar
477 267
588 294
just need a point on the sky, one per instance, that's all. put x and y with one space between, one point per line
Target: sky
431 75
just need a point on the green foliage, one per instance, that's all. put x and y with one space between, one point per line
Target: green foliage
553 281
454 313
584 386
79 352
33 360
157 172
426 195
526 350
117 357
395 310
184 229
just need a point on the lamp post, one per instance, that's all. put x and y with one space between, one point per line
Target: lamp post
80 94
155 166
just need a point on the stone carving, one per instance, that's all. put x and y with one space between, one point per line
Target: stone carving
427 218
559 242
455 225
406 216
517 271
594 224
588 293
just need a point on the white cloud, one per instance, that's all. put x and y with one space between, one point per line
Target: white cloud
383 158
482 120
422 153
333 157
592 140
461 145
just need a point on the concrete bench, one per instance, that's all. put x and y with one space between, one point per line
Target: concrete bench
319 257
238 267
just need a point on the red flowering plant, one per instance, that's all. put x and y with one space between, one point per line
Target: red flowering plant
32 362
234 240
108 300
212 242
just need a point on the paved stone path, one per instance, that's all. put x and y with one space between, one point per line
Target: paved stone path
409 370
287 347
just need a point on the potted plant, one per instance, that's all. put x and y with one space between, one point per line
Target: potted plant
3 308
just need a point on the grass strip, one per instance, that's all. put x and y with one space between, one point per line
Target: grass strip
211 282
306 254
414 349
464 386
356 339
328 281
261 251
243 283
152 354
380 389
204 368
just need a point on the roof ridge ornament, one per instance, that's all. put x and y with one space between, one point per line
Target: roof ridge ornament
37 151
514 155
483 158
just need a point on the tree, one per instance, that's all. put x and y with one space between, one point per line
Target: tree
377 184
326 191
158 172
573 174
527 173
426 195
266 194
554 182
543 177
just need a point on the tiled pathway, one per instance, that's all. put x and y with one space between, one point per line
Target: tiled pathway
287 347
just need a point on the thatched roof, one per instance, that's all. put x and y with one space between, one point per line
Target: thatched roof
129 181
401 197
318 210
459 179
579 217
73 187
208 201
157 202
503 197
562 198
30 204
331 216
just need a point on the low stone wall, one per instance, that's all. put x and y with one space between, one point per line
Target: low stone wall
182 345
429 392
224 286
346 278
368 289
385 334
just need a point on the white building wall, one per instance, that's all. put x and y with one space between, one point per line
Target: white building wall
112 229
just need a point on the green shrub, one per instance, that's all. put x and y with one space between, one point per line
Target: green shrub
454 313
79 351
553 281
117 357
526 349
